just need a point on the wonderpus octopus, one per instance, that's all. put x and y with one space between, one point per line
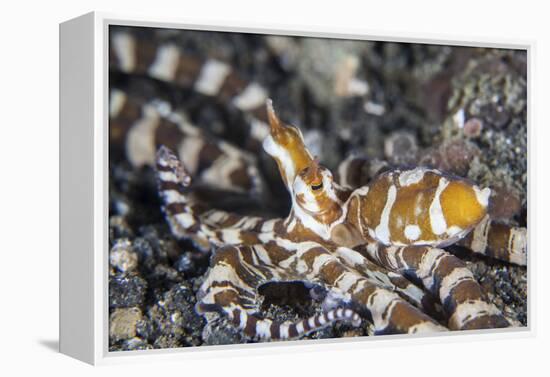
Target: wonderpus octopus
375 249
362 244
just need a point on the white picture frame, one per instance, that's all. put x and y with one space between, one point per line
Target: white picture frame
84 194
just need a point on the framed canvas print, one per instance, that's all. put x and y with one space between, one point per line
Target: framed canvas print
225 188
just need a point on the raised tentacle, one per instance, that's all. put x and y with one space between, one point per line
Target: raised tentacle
231 289
285 143
499 241
446 277
207 227
181 213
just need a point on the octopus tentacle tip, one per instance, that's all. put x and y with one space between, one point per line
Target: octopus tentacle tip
167 160
163 152
269 104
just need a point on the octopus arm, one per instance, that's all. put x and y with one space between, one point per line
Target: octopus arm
191 220
499 241
387 310
447 278
231 289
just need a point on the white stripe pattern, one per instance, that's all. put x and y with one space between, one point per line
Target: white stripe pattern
166 63
124 46
211 77
382 231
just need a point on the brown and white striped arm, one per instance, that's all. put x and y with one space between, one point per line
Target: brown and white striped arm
137 128
388 312
388 279
499 241
167 62
231 289
446 277
207 227
182 214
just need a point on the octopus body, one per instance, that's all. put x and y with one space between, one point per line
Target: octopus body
360 244
377 249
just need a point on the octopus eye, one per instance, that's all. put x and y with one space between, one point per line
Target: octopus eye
317 187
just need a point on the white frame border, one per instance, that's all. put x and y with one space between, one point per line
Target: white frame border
98 303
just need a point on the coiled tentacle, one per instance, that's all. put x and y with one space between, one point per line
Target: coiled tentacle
231 289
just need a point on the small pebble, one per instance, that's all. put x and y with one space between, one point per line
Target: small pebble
374 108
135 344
164 272
454 156
167 341
145 252
401 147
123 322
185 264
126 291
473 128
122 257
497 115
458 155
504 204
119 228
